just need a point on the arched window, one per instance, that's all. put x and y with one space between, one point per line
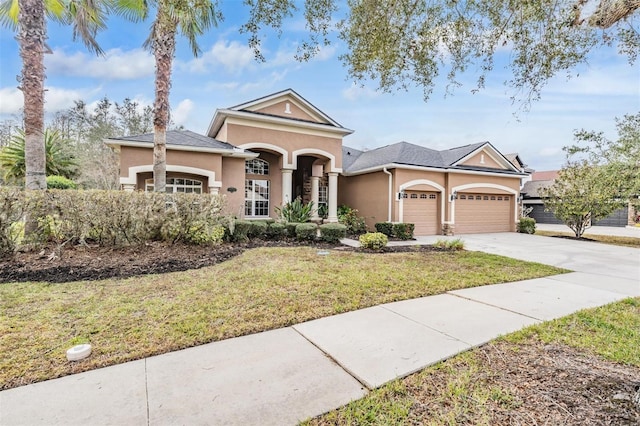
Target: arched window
256 166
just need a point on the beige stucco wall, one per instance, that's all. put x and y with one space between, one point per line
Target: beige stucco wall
133 156
280 108
288 140
369 194
233 177
457 179
476 160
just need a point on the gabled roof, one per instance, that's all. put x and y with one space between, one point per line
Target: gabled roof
182 140
408 154
531 188
545 175
250 110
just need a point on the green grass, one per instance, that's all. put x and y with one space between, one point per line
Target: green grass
263 289
606 239
466 389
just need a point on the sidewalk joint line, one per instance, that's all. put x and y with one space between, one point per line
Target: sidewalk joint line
335 361
146 391
494 306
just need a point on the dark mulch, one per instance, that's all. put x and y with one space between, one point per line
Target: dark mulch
80 263
543 384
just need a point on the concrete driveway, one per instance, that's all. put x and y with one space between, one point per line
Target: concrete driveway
600 260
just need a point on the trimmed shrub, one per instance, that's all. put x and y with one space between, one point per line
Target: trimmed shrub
403 231
291 229
527 225
276 231
451 245
385 228
349 217
204 233
258 229
240 231
332 232
12 203
373 240
306 231
60 182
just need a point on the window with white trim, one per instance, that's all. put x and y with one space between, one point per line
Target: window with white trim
256 166
173 185
256 198
323 195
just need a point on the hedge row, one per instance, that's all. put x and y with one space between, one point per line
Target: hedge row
118 218
402 231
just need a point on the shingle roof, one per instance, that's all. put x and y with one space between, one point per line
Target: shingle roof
531 188
182 138
545 175
405 153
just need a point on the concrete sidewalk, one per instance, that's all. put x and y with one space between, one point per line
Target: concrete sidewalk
283 376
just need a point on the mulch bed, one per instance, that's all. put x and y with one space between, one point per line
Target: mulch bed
87 263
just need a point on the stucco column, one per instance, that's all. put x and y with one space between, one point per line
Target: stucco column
287 182
315 196
333 197
128 187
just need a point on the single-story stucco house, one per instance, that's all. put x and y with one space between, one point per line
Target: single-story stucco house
266 152
534 203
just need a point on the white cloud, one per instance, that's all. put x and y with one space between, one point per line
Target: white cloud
230 55
56 99
181 113
357 92
116 64
12 100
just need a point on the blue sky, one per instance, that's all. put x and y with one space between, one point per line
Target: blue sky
226 74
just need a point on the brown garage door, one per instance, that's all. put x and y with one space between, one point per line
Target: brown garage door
421 208
477 213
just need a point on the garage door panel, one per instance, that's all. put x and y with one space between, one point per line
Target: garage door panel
477 213
421 208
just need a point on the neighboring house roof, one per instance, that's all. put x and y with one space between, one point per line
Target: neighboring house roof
407 154
251 110
183 140
531 188
545 175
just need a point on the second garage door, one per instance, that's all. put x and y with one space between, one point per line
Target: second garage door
421 208
477 213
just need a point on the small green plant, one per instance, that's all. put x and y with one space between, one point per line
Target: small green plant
349 217
373 240
451 245
291 229
204 234
527 225
60 182
295 211
332 232
385 227
276 231
306 231
240 231
258 229
403 231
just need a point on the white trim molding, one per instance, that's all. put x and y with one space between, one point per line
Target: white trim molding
304 151
132 178
416 182
267 146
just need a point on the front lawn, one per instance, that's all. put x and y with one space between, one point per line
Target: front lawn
607 239
262 289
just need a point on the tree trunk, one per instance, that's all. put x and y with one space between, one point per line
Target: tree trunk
164 47
32 34
609 12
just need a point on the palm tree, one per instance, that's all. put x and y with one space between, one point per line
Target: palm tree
28 18
191 18
58 160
